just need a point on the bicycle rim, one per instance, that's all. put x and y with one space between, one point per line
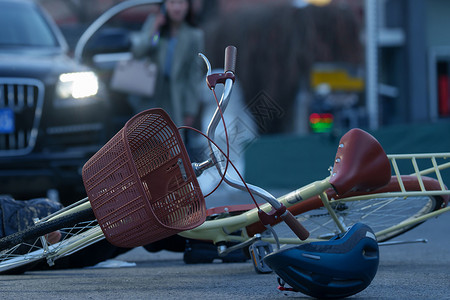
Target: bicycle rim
24 256
378 213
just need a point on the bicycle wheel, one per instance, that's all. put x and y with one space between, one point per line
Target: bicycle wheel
22 250
382 210
380 213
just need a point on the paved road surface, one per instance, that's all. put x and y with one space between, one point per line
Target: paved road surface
411 271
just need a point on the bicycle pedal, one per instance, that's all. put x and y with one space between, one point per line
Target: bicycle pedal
258 250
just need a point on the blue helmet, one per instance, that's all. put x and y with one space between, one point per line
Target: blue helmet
339 267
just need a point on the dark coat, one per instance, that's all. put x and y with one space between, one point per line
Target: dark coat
17 215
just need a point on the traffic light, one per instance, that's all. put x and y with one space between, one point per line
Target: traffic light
321 122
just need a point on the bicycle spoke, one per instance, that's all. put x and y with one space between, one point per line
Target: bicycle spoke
378 213
31 251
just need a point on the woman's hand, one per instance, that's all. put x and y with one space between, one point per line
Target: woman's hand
160 20
53 237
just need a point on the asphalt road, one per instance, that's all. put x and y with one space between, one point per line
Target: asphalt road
409 271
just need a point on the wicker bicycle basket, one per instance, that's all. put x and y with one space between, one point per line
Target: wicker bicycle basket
141 184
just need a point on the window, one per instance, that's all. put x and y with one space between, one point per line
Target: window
24 26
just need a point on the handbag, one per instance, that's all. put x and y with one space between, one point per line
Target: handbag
134 76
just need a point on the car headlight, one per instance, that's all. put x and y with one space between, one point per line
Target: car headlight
77 85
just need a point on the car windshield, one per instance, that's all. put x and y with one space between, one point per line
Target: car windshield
24 26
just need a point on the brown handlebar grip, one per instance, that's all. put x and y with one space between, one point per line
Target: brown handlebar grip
230 59
295 225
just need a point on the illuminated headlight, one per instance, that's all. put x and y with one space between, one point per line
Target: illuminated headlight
77 85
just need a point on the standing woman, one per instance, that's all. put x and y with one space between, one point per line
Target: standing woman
173 43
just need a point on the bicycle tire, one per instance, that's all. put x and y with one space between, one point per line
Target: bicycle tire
44 228
22 250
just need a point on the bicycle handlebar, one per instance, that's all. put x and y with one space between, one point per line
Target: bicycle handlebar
230 66
230 59
295 225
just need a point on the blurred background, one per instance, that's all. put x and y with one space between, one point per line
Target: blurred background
308 70
380 62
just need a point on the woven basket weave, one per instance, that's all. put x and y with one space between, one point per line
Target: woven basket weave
141 184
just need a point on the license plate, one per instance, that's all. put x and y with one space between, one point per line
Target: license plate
6 120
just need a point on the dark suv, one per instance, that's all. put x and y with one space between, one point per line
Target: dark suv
53 111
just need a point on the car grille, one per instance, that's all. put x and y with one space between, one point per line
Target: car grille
21 102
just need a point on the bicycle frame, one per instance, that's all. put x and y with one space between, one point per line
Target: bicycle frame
221 230
311 196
